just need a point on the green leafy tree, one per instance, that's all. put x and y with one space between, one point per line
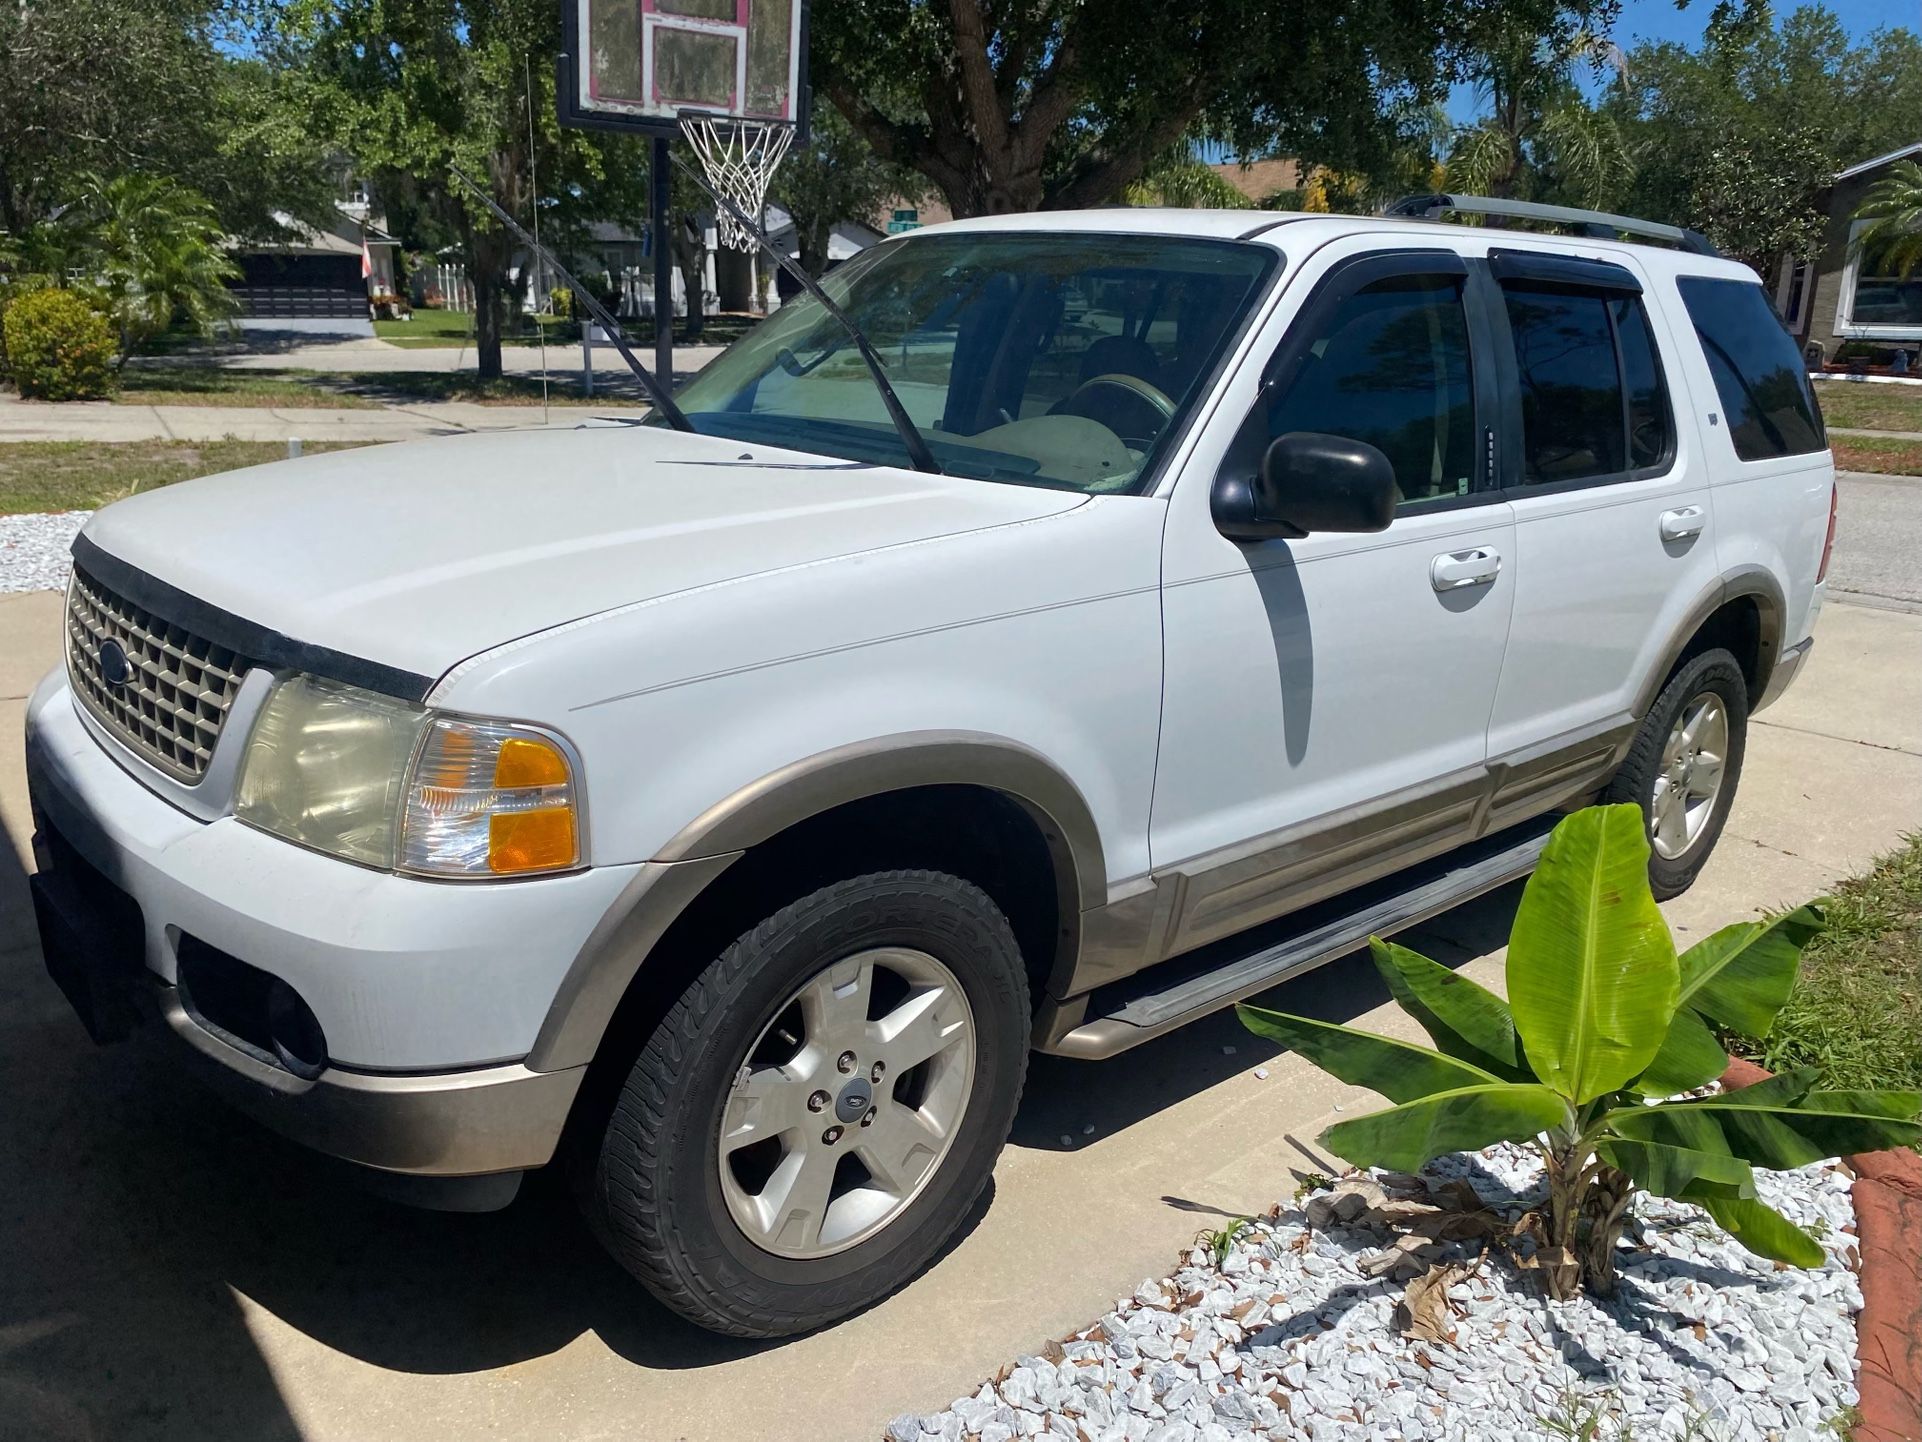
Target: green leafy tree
1539 139
1009 106
150 249
836 176
140 85
1741 137
414 88
1602 1021
1893 210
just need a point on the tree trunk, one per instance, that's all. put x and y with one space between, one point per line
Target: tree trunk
813 239
689 253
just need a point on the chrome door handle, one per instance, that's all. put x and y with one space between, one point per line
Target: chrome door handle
1684 524
1455 569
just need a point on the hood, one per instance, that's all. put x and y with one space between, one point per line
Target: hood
420 555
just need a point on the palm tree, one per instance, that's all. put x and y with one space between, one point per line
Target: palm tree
1893 208
151 249
1539 133
1179 179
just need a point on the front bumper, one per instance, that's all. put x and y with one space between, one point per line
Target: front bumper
428 994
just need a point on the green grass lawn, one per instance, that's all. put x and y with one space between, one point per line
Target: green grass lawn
193 385
1856 1009
84 475
1871 407
443 328
1880 455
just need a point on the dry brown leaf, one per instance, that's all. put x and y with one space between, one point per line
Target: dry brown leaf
1423 1311
1701 1332
1054 1352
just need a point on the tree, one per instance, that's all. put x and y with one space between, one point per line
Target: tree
139 85
1015 105
150 250
1742 137
1539 138
1893 208
413 88
836 176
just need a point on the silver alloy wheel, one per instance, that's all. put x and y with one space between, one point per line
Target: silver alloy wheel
1690 779
838 1119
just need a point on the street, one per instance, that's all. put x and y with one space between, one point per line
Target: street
173 1271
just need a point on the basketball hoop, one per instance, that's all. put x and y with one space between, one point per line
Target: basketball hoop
740 157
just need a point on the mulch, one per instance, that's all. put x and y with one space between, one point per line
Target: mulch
1888 1335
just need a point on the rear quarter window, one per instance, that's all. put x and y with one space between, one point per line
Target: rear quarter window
1764 386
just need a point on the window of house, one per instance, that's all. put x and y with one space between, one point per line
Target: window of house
1391 367
1876 299
1759 375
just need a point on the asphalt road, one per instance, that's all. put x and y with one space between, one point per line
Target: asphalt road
1878 541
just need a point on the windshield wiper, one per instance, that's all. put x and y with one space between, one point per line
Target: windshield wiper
656 392
911 437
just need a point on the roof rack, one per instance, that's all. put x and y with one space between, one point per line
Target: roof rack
1595 224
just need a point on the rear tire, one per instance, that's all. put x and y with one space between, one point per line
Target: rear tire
1684 766
716 1184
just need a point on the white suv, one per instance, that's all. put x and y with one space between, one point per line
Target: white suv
728 803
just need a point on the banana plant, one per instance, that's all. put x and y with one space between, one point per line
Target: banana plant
1605 1032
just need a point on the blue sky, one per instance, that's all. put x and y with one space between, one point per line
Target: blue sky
1661 20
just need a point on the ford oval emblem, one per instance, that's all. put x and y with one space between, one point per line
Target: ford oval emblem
115 669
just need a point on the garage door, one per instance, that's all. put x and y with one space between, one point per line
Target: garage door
289 287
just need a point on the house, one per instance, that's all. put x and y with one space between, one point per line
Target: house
1842 299
1261 179
332 270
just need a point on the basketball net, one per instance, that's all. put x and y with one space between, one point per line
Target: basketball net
739 157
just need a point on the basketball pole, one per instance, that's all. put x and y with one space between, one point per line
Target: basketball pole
661 182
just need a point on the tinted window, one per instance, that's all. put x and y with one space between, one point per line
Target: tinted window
1572 425
1649 426
1390 367
1766 398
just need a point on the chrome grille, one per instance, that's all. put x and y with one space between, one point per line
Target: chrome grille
171 708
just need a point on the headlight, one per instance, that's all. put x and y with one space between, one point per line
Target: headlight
388 784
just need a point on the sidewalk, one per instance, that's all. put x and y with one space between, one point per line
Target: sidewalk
108 421
373 356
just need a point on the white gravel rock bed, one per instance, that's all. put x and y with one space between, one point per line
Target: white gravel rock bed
34 550
1290 1338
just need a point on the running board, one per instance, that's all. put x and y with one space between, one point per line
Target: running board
1181 990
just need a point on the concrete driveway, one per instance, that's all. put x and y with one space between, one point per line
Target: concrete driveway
171 1271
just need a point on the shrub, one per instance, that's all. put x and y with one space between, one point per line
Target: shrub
1603 1020
561 301
58 347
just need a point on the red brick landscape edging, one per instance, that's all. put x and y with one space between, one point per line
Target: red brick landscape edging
1888 1335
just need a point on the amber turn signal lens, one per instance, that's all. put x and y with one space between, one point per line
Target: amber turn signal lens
525 762
541 840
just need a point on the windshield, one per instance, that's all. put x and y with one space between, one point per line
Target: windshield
1055 360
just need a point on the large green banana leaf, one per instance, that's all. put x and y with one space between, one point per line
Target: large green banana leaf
1740 977
1464 1019
1399 1070
1406 1137
1762 1229
1592 977
1690 1057
1737 978
1819 1126
1669 1171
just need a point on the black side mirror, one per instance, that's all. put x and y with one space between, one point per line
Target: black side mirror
1308 481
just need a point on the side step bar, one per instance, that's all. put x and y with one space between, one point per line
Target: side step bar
1183 989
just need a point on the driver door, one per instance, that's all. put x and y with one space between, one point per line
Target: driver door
1326 703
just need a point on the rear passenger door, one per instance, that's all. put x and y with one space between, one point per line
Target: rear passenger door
1613 523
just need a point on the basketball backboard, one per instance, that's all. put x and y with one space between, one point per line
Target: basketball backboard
636 65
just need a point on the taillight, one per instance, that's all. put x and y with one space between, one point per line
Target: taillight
1828 545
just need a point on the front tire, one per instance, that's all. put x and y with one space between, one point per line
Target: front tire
1684 765
814 1117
